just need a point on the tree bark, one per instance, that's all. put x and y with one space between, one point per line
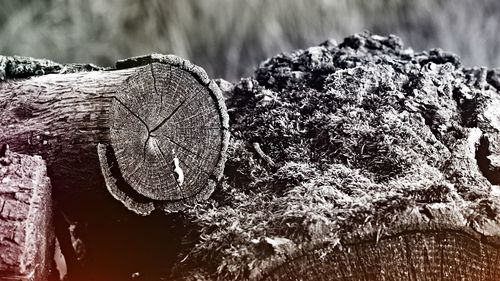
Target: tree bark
26 229
158 118
357 161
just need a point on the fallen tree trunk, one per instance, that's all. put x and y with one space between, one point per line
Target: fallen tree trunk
158 118
352 161
26 228
424 251
356 161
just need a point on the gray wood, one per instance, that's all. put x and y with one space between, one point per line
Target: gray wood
26 230
408 252
157 109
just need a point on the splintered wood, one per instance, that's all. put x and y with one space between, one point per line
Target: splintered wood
26 233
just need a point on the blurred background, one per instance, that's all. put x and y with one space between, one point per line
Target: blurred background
230 37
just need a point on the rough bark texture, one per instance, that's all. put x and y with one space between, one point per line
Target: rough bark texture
26 228
159 111
24 67
356 161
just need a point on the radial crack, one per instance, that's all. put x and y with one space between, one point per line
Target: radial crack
168 117
184 148
154 85
131 112
190 167
190 98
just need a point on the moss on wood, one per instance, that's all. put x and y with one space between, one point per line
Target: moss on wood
364 136
334 145
23 67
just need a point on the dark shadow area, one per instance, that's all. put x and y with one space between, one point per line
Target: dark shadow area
138 248
118 244
483 151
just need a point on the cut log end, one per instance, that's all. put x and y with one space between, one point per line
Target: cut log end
168 135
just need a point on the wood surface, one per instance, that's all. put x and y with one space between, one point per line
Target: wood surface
26 228
411 252
162 121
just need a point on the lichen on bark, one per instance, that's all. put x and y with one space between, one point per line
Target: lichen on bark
363 135
23 67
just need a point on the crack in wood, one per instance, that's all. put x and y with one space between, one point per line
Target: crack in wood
112 165
190 167
190 98
131 112
150 132
154 85
180 96
184 148
168 117
142 121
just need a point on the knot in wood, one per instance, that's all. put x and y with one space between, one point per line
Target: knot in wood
169 135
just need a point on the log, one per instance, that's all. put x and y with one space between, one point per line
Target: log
356 161
423 251
160 124
26 229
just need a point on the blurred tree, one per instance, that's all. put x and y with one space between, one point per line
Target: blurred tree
229 38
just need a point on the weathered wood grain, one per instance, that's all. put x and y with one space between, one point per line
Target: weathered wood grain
411 252
161 109
26 230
